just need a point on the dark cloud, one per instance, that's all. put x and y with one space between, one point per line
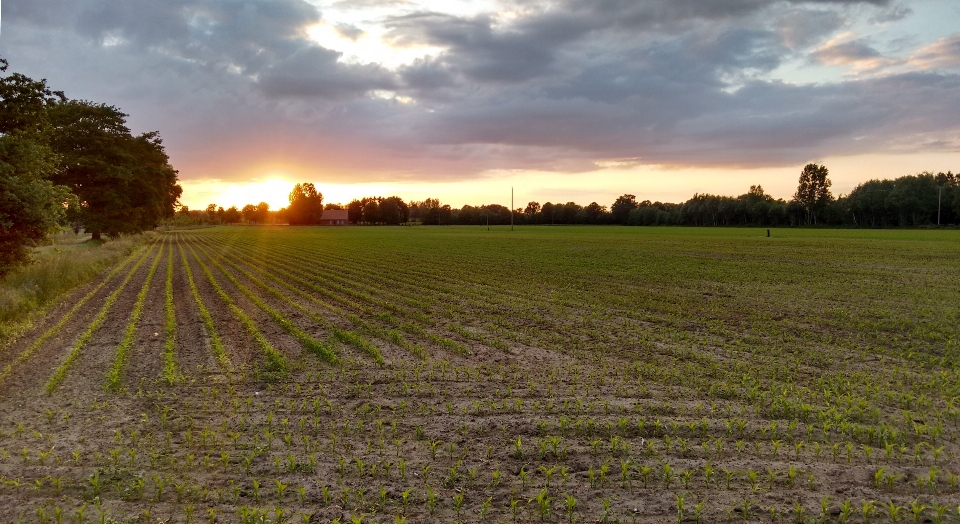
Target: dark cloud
235 85
425 76
316 72
478 50
248 34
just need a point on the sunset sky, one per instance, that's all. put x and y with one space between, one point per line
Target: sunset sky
565 100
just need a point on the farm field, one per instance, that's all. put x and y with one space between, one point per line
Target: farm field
455 374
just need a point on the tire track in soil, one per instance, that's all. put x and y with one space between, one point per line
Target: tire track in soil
145 362
24 373
193 346
90 369
237 343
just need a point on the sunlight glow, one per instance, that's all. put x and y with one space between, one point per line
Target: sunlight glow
663 183
367 47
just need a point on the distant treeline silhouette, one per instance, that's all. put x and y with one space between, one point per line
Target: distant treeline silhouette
909 201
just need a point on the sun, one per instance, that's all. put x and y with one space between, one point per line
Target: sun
274 191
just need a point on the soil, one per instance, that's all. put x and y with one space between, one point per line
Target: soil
403 441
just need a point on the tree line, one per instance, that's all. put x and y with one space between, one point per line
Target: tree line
908 201
73 163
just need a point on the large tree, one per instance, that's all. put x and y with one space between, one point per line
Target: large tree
31 206
622 207
124 183
393 210
306 205
813 191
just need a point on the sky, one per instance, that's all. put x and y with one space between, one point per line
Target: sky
561 100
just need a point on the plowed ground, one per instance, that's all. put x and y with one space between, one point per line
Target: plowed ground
458 374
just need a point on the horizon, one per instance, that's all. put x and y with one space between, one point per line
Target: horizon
562 100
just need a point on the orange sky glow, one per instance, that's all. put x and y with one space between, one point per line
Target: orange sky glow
603 186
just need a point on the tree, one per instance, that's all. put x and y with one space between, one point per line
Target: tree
532 208
212 212
371 212
813 191
306 205
261 213
124 184
249 212
355 211
595 213
232 215
622 207
430 214
31 207
393 210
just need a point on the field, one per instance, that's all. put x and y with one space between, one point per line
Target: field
456 374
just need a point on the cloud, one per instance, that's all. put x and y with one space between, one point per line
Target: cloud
238 88
857 54
481 51
893 14
315 72
800 28
942 54
349 31
370 4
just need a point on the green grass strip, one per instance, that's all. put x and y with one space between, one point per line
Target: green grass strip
61 371
321 349
170 372
53 330
215 343
113 377
276 363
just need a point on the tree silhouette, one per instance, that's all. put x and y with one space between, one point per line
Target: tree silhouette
813 191
306 205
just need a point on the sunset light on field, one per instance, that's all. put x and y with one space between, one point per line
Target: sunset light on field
480 261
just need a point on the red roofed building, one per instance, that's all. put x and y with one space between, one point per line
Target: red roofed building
334 217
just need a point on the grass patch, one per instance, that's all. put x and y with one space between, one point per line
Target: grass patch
70 261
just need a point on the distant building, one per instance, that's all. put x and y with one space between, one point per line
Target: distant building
334 217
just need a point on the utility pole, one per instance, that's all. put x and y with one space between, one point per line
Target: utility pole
511 210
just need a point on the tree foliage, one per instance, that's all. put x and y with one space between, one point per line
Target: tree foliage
306 205
31 206
379 210
255 214
813 191
622 207
124 183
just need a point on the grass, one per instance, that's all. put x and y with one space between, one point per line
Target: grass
69 261
566 374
